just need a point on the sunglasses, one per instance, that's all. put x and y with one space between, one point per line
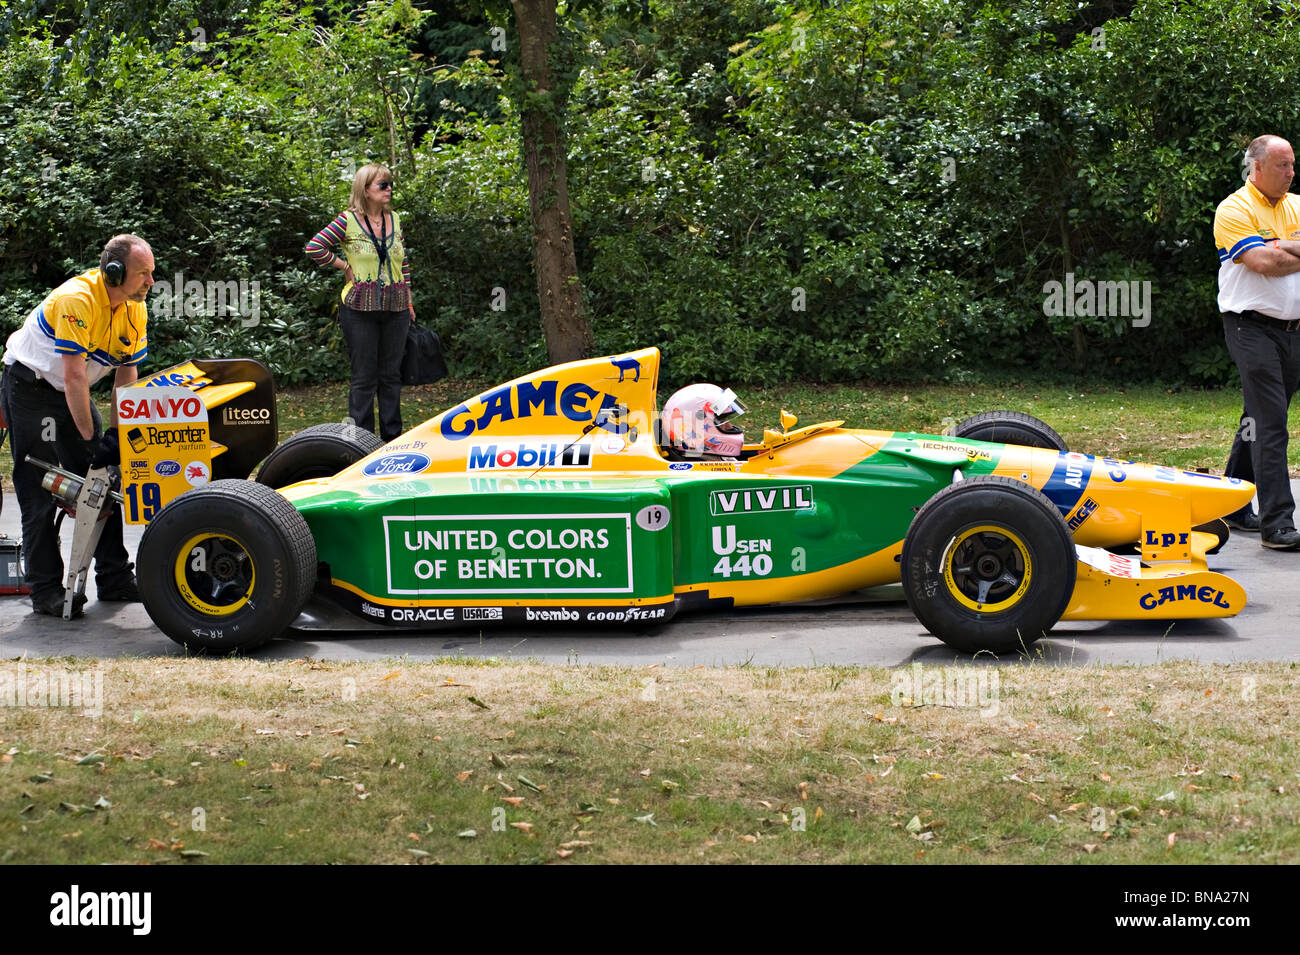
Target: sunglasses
383 184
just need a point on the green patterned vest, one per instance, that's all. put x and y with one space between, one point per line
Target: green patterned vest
379 285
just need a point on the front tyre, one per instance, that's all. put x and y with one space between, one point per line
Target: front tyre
227 566
988 564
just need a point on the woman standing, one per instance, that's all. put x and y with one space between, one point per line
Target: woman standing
376 308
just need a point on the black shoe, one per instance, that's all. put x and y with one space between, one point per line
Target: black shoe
124 591
1244 520
51 604
1284 538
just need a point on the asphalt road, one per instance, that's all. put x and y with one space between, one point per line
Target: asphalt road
878 630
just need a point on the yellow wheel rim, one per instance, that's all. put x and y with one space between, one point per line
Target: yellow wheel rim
214 574
987 568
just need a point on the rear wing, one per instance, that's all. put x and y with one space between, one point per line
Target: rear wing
199 421
239 395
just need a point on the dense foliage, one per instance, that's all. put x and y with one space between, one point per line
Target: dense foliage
873 189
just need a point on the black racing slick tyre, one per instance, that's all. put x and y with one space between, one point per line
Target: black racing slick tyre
988 564
321 451
225 567
1010 427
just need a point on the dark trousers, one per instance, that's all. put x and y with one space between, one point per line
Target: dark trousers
41 425
376 341
1268 358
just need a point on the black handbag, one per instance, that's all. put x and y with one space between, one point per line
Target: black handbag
422 362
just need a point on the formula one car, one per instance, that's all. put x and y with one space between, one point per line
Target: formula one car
552 499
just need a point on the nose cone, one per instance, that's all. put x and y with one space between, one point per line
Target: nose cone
1214 496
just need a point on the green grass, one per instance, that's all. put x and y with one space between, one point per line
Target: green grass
228 761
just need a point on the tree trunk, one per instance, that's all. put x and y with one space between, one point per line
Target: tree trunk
564 314
1067 259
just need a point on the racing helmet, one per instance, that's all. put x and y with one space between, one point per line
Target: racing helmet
697 420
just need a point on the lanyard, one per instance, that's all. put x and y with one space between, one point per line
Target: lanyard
382 244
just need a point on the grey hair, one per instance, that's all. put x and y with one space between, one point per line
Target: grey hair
1255 153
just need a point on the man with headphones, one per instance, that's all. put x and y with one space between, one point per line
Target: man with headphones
90 324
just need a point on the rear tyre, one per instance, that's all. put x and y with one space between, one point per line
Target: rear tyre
321 451
1010 427
225 567
988 564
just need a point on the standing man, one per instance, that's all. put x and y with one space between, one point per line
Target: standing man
1257 231
89 324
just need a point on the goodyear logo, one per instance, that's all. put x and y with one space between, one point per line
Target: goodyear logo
167 468
578 402
1205 595
409 463
493 457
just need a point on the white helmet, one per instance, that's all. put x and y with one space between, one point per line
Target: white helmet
697 420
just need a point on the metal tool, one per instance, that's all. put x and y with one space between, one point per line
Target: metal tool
89 501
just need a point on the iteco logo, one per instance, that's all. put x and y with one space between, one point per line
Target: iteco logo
530 455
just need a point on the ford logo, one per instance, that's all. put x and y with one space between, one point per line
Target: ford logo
409 463
167 468
679 466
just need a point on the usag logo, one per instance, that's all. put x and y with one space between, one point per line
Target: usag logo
481 613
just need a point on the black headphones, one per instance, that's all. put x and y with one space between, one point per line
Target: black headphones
114 273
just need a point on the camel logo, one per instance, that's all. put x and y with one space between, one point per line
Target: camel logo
624 365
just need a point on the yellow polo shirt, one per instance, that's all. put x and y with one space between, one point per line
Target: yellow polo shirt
1247 220
76 319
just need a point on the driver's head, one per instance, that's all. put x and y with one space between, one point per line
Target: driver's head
698 420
